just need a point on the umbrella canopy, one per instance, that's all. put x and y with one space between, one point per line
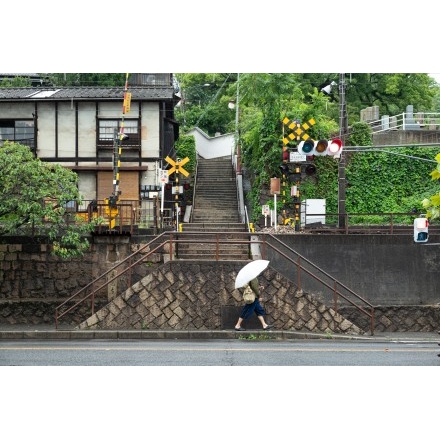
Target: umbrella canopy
249 272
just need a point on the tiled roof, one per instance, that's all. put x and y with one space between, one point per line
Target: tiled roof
84 93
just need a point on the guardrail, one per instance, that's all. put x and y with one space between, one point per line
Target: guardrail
393 223
406 121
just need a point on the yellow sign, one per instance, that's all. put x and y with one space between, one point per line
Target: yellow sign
177 166
299 130
127 102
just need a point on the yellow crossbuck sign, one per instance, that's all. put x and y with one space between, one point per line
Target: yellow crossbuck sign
177 166
299 130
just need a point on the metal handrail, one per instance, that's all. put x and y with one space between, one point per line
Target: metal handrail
172 239
337 293
82 294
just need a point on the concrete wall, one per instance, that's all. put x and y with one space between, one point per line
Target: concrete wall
212 147
398 276
406 137
384 269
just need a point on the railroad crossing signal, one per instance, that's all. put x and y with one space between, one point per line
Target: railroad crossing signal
177 166
298 130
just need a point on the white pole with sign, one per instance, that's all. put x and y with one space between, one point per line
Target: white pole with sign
163 181
265 211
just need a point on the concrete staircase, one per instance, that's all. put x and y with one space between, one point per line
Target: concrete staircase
215 211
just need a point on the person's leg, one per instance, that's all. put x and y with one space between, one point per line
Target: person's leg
239 322
246 311
260 312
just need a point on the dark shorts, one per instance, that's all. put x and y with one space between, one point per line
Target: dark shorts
248 309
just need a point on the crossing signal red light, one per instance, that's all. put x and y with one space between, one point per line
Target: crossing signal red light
334 147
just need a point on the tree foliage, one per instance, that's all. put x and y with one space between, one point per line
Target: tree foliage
432 203
375 182
87 79
34 200
17 81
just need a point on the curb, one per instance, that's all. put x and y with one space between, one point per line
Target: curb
205 334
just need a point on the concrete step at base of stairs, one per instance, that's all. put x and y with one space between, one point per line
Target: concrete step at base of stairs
212 253
204 248
214 226
212 219
213 256
216 212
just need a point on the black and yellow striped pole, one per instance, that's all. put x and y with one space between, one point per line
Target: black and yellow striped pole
111 208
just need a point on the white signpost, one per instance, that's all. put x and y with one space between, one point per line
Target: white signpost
163 181
265 210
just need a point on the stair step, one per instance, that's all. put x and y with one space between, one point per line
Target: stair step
215 210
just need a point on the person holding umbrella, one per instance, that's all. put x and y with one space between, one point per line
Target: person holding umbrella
255 306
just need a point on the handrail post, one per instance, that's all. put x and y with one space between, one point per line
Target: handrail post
335 297
93 302
372 323
298 267
130 267
264 248
171 246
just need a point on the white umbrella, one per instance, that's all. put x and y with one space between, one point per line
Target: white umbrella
249 272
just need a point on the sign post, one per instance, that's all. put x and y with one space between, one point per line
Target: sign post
265 211
163 181
275 189
177 167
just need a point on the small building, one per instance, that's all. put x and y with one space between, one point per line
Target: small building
76 127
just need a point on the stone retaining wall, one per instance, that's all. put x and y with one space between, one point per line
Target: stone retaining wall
33 283
190 295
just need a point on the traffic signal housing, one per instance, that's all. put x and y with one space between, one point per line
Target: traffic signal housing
421 230
322 147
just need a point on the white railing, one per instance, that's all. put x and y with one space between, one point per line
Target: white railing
406 121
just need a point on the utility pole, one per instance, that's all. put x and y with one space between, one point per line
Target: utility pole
343 128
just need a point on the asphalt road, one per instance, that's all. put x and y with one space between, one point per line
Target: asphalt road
138 352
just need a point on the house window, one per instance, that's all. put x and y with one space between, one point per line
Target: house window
19 131
106 132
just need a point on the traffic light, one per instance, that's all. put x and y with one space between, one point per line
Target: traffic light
322 147
421 230
306 147
284 169
285 155
310 169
